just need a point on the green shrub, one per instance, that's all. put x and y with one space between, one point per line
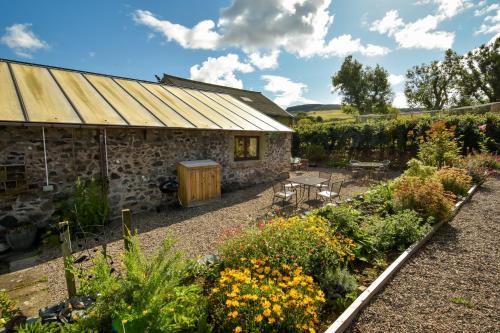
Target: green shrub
265 299
479 166
377 200
397 232
39 327
149 295
418 169
454 180
88 207
425 196
440 147
345 220
337 283
304 241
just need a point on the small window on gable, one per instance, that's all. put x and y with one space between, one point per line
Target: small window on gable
246 99
246 148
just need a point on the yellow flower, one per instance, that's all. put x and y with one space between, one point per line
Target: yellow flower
271 320
233 314
243 259
258 318
277 308
237 329
266 312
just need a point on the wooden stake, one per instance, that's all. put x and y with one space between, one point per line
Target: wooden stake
68 258
127 227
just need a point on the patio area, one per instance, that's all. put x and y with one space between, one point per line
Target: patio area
197 232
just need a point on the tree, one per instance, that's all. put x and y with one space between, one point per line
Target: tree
433 86
366 89
479 77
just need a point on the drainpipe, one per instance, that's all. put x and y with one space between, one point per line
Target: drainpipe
106 152
47 187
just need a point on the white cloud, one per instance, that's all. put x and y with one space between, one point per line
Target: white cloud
345 45
201 36
400 100
419 34
448 8
389 24
264 61
221 70
287 92
395 79
296 26
491 23
22 40
486 9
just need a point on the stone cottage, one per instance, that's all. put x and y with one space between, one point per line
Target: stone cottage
58 124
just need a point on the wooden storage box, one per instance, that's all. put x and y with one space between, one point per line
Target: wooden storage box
199 182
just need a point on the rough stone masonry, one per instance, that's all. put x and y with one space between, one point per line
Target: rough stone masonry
137 161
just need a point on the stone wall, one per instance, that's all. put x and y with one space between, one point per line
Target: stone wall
138 160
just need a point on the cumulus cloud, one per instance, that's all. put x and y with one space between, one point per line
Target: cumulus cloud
395 79
296 26
419 34
448 8
264 61
201 36
287 92
221 70
22 40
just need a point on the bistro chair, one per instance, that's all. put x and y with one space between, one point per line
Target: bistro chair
325 185
304 164
283 194
381 173
332 192
295 162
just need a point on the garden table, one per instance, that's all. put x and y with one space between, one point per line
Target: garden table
308 181
370 166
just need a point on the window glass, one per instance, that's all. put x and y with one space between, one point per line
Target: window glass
246 148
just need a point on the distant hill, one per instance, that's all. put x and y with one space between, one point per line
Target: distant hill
313 107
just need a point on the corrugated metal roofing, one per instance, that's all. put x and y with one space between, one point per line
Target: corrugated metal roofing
32 93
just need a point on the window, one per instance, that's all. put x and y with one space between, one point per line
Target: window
246 148
246 99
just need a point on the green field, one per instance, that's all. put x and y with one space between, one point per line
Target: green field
330 115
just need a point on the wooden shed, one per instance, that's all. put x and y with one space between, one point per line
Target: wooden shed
199 182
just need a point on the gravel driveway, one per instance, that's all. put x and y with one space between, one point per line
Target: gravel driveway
452 283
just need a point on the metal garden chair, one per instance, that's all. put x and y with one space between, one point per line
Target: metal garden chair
283 194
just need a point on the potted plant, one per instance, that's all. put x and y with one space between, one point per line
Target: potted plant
21 237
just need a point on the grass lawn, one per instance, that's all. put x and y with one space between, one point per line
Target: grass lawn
331 115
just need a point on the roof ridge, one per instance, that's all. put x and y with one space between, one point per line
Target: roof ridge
210 84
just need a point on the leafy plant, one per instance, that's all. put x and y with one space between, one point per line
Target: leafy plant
463 301
39 327
149 295
440 147
479 166
345 220
88 207
454 180
425 196
337 283
397 232
418 169
261 298
8 308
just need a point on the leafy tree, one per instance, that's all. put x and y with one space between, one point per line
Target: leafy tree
433 86
479 77
367 89
349 109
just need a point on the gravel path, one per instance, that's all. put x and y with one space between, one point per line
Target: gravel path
197 230
452 283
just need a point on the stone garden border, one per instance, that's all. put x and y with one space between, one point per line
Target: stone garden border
345 319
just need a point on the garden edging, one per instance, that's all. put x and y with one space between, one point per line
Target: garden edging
345 319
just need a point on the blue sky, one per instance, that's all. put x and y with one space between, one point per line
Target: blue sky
288 49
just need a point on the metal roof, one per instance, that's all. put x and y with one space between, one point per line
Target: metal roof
253 98
37 94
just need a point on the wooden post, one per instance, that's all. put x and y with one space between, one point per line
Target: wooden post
127 227
68 258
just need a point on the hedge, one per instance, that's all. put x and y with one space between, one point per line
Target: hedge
395 139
